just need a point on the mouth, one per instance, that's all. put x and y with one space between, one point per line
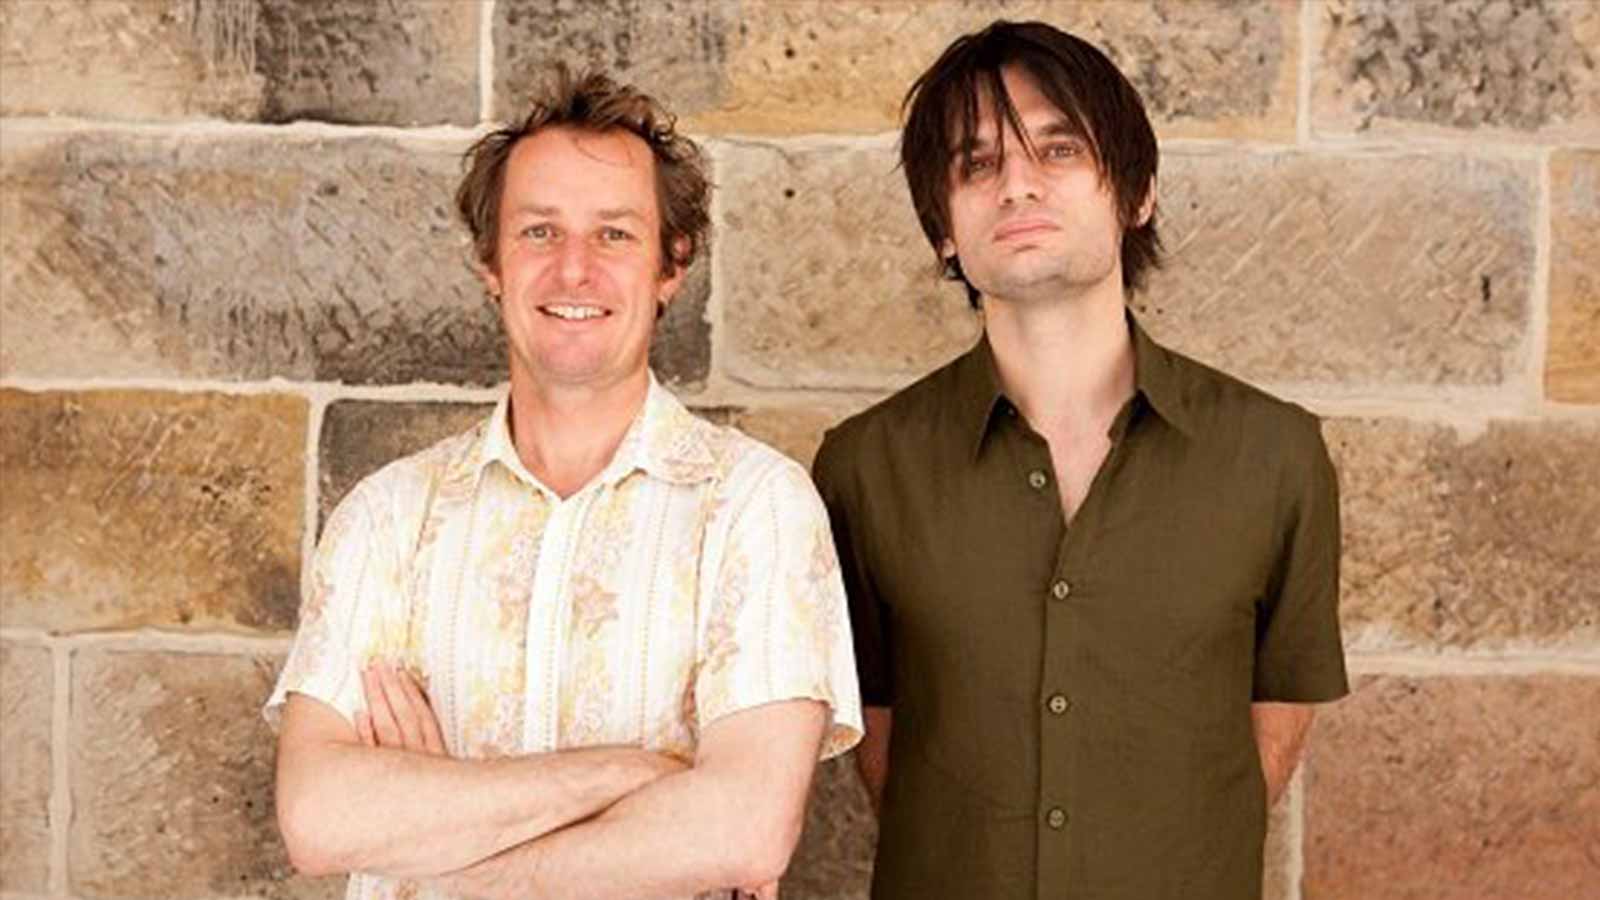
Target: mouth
1022 228
574 312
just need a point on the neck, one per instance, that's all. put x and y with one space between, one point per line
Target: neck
567 434
1066 365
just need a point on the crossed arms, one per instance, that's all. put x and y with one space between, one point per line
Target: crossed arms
381 796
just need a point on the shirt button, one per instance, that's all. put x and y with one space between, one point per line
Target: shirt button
1037 479
1056 817
1060 590
1058 703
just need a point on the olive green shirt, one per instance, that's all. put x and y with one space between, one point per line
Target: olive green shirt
1072 703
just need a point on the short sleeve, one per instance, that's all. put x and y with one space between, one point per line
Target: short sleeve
869 616
1299 653
350 575
775 626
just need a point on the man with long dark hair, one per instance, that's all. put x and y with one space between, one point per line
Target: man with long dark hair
1093 583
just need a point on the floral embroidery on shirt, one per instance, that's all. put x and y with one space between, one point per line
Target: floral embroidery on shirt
622 614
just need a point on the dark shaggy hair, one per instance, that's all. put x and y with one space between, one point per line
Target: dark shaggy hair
943 107
594 102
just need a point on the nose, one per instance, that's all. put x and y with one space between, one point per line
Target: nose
575 263
1019 177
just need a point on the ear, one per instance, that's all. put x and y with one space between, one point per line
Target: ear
947 249
668 288
486 275
1147 207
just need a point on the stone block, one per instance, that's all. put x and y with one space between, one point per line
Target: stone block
1482 542
1456 788
795 430
238 258
1278 875
359 437
806 66
394 62
680 351
28 676
674 50
1312 268
172 774
123 509
1521 66
834 858
1572 367
825 277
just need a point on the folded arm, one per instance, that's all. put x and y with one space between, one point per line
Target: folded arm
732 820
344 806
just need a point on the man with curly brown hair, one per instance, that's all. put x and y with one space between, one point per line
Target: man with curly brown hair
594 646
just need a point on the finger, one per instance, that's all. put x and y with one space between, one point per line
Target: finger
364 729
427 721
382 715
405 716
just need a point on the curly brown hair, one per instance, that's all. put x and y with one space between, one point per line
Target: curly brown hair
594 102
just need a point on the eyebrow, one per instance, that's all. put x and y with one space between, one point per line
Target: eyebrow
608 215
1055 128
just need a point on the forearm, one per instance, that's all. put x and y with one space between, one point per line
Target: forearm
1281 731
664 840
729 822
344 807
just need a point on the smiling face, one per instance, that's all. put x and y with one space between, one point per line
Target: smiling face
1037 221
578 260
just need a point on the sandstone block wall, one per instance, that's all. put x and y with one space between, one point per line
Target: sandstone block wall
230 286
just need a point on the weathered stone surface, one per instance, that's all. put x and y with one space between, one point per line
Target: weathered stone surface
1277 876
1484 542
680 351
1298 267
1528 66
834 858
1456 788
27 675
238 258
1572 368
359 437
675 50
397 62
844 65
795 430
172 772
825 277
127 508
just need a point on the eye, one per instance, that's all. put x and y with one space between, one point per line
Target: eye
1062 150
612 235
538 232
977 166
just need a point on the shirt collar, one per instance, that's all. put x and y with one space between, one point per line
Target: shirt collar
665 441
1156 378
980 397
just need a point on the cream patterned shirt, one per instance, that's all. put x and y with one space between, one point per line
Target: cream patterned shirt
694 577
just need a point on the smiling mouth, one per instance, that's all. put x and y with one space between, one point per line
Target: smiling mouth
574 313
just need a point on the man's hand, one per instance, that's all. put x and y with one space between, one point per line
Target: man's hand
398 715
